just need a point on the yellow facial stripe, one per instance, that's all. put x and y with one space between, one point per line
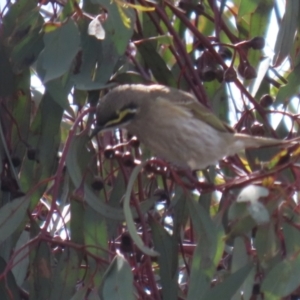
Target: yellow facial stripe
121 115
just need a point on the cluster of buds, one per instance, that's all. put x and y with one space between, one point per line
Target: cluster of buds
209 67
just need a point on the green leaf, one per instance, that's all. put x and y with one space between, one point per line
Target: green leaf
229 286
115 29
21 109
81 294
61 46
246 7
181 213
208 252
160 71
128 214
259 22
95 63
263 68
291 238
219 101
76 221
291 88
75 154
7 82
283 278
41 273
241 221
11 216
21 260
44 139
95 238
17 11
240 258
215 91
266 242
95 233
59 92
287 30
116 195
68 10
8 287
26 49
199 282
166 245
65 275
98 59
118 281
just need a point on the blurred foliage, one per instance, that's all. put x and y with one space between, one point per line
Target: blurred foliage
83 219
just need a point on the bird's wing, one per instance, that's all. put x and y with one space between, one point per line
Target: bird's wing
188 102
204 114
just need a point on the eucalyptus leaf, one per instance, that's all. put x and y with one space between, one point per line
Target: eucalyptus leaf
118 281
165 244
61 46
76 177
21 260
230 285
287 31
283 278
129 218
11 216
65 275
8 285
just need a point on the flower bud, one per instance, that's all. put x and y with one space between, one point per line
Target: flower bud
207 74
128 159
109 152
266 100
225 53
16 161
126 245
257 43
230 75
32 154
246 71
134 142
97 184
257 129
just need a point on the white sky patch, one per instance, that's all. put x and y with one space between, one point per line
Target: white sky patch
37 84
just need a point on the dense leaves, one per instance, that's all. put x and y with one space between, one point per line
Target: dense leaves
101 218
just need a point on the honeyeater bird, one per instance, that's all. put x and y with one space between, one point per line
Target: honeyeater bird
173 124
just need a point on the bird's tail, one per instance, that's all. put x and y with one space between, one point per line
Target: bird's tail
247 141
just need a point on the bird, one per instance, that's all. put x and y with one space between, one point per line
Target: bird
173 125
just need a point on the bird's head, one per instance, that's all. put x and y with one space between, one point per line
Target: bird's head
120 107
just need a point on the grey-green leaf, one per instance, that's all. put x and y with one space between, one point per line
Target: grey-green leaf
8 287
283 278
11 216
287 31
61 46
165 244
118 281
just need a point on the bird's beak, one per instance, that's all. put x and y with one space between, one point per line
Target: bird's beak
95 131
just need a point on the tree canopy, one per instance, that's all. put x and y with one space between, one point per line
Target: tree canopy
102 218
